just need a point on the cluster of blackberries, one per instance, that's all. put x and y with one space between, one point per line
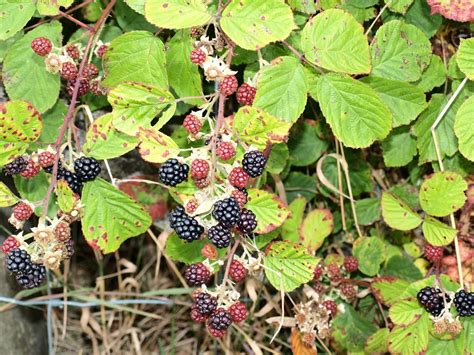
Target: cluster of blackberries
464 302
86 169
185 226
27 273
218 319
432 300
172 172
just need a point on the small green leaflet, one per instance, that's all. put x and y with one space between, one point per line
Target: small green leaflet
7 198
437 233
335 41
399 148
370 251
21 125
465 57
14 16
111 216
288 265
316 227
177 14
51 7
389 289
464 128
397 214
270 210
188 253
65 196
290 229
406 312
410 340
434 75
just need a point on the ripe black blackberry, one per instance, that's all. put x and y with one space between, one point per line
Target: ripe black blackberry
186 227
247 222
34 278
220 236
16 167
205 304
18 261
172 172
464 302
227 211
49 169
221 319
73 181
197 274
254 163
432 300
87 169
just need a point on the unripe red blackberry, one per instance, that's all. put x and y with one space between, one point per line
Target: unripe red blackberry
347 290
433 253
202 183
41 46
101 50
22 211
69 71
82 90
351 264
199 169
197 317
225 150
46 159
317 273
90 71
62 231
246 94
319 287
197 274
32 169
240 197
72 50
191 206
228 85
237 271
216 333
238 177
96 88
10 243
198 56
334 272
192 124
196 32
238 312
331 306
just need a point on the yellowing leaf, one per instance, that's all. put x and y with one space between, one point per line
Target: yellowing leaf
270 210
397 214
155 146
316 227
7 198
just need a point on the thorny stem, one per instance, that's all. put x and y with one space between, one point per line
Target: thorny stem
70 113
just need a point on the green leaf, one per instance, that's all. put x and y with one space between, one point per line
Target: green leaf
442 193
351 330
7 198
371 253
437 233
103 141
368 211
183 74
389 290
433 76
303 6
156 147
402 267
400 6
400 51
305 144
24 74
137 56
377 342
51 7
257 127
137 5
14 15
131 20
449 346
410 340
20 125
278 158
177 13
444 131
135 105
288 265
420 15
65 196
111 216
188 253
316 227
34 190
469 328
405 312
399 148
270 210
464 128
397 214
290 229
465 57
282 89
298 184
453 69
404 100
53 119
354 111
335 41
252 24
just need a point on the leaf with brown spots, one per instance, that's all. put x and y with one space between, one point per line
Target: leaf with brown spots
437 233
156 147
270 210
397 214
258 127
177 13
316 227
65 196
7 198
111 216
20 125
